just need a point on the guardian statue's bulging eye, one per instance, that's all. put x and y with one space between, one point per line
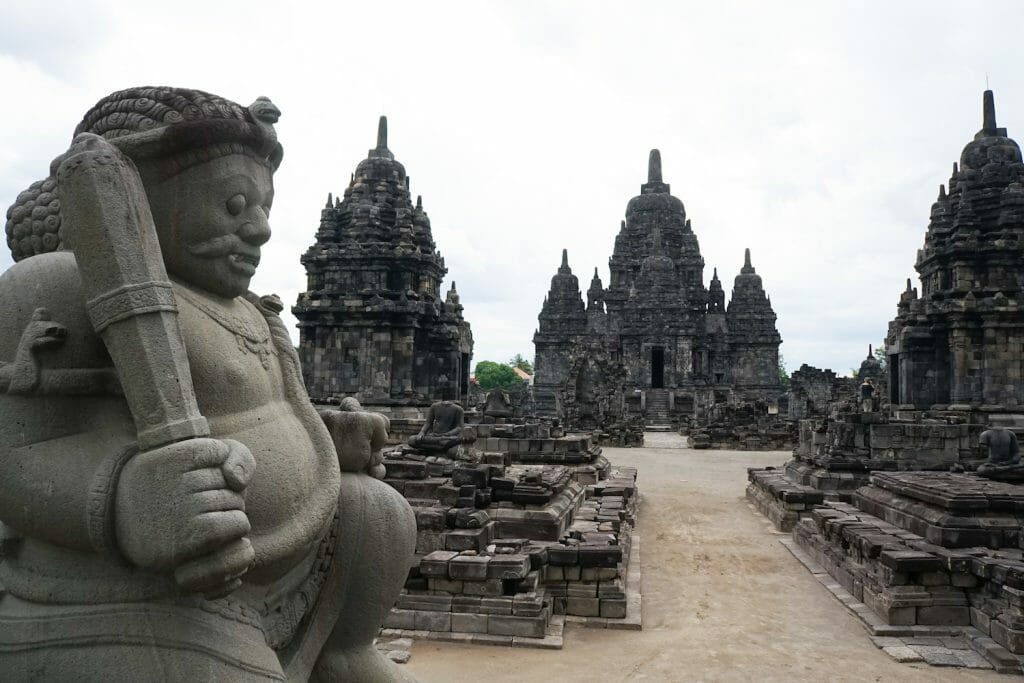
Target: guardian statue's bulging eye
236 204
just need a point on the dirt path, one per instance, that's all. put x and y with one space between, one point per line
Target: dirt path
723 600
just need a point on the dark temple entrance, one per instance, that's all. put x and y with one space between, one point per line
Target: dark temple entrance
657 367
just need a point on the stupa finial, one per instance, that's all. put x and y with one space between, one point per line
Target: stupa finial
654 167
988 121
565 258
382 133
747 268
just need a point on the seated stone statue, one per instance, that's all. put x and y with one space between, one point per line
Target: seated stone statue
442 430
173 506
1003 462
497 404
358 436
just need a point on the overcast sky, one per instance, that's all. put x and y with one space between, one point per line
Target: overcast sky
814 133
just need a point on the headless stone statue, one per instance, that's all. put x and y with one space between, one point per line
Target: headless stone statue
1003 462
497 404
867 393
358 437
173 506
442 430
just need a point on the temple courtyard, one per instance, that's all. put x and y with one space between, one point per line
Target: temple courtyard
723 599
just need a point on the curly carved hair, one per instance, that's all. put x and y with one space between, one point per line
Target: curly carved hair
171 128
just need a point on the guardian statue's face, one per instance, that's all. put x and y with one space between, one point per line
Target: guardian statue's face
212 220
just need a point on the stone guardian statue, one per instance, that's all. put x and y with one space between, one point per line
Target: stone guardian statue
173 506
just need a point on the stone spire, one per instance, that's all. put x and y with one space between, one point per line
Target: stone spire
750 312
654 167
870 367
595 293
381 151
988 118
452 297
654 184
656 226
980 205
716 295
563 311
747 268
596 318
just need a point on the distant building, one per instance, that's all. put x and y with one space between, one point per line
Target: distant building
655 342
372 321
961 342
524 375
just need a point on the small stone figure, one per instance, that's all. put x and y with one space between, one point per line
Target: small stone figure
442 430
867 394
358 437
498 404
1003 462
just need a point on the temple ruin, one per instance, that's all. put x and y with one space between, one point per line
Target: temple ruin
655 343
911 507
959 343
373 322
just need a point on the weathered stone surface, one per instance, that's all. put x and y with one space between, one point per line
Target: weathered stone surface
373 322
655 343
137 289
968 318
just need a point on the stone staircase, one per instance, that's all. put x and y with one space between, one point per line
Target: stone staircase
658 414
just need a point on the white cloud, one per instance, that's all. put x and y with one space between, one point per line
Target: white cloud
814 133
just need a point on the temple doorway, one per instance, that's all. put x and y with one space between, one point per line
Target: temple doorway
657 367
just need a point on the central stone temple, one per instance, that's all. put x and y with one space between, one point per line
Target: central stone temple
373 323
656 342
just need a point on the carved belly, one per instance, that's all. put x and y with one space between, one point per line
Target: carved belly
285 515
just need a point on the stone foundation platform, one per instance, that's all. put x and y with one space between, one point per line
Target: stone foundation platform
836 481
778 498
947 509
902 586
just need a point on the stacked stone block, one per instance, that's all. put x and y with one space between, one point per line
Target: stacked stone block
532 527
907 581
780 499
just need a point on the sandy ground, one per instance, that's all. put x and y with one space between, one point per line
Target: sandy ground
723 600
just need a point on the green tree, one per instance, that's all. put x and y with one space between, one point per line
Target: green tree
519 362
783 373
880 354
490 375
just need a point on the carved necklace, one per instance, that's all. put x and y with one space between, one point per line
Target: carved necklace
250 336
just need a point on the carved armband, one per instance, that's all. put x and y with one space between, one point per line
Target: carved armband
102 501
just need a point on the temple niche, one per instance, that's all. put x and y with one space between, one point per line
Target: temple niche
655 343
958 344
373 322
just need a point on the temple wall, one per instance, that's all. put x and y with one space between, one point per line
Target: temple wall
1002 366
